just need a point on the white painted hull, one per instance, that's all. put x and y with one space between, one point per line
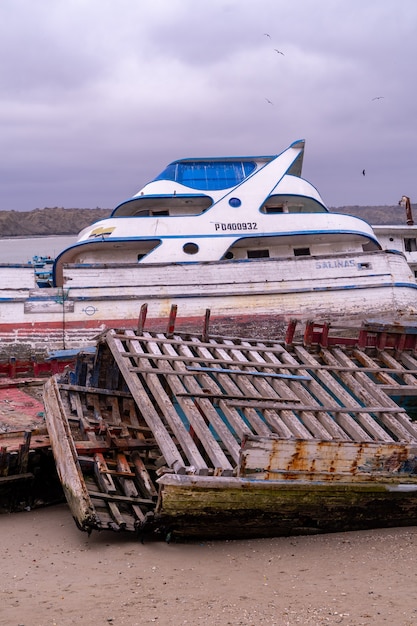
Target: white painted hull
352 286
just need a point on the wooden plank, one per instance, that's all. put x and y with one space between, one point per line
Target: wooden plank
128 485
328 458
4 461
108 497
97 390
364 427
86 428
332 430
23 455
106 484
400 424
240 427
211 415
266 391
265 404
365 360
226 382
66 457
133 422
276 348
316 426
406 364
212 448
225 396
399 390
409 362
163 438
99 445
143 478
282 421
253 363
102 474
125 474
173 419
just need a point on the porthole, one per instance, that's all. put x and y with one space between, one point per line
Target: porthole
235 202
190 248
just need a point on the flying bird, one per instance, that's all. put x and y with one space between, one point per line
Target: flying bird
279 52
378 98
363 172
269 101
267 35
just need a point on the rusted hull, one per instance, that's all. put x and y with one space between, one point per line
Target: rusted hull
221 508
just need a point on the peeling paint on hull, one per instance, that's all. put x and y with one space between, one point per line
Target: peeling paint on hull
97 297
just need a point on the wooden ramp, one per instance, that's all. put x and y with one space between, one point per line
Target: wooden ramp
205 435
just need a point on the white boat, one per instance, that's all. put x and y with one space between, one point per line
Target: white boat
245 237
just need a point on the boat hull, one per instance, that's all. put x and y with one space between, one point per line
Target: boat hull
202 507
239 294
228 438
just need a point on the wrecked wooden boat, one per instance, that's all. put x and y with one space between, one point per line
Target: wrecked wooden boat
28 477
210 436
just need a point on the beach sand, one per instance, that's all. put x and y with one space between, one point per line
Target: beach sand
53 574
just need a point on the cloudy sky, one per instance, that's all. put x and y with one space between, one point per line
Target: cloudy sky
98 96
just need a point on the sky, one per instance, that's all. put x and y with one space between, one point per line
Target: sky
98 96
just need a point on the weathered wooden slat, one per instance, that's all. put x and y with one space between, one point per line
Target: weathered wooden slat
66 456
265 456
266 391
225 396
399 390
364 427
97 390
163 438
146 486
173 419
409 362
125 475
128 485
380 374
107 497
100 445
241 388
400 424
309 419
325 427
409 379
133 422
276 404
86 428
196 419
102 474
240 427
211 415
267 350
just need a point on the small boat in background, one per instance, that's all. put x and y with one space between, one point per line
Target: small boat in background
43 266
28 477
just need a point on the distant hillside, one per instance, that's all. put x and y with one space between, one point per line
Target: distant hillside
48 221
60 221
378 214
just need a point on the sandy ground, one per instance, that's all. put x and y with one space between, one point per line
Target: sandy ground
53 574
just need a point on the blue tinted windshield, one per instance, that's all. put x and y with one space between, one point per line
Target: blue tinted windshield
207 174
